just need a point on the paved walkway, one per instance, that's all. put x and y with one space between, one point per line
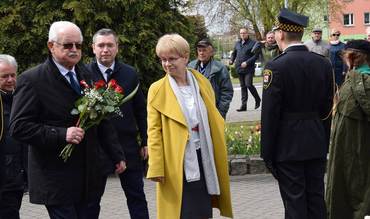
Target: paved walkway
253 196
251 114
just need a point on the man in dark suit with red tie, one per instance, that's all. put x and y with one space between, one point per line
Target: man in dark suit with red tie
41 116
133 122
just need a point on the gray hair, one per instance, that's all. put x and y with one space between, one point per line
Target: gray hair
105 32
8 59
56 26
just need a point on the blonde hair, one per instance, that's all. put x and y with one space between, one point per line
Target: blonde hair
173 43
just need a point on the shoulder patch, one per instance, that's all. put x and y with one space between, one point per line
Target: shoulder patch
267 78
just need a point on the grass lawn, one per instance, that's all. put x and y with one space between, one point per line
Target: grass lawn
255 80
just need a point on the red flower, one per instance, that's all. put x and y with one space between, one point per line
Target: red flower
112 83
84 84
99 84
118 89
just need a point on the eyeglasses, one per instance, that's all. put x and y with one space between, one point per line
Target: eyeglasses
170 60
70 45
336 34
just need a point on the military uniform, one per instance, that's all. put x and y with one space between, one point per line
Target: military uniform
297 100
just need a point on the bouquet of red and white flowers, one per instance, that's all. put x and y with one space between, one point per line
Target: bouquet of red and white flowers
98 102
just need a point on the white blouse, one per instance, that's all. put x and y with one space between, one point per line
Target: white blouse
192 110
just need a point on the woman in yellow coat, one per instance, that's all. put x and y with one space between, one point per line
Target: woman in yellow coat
186 143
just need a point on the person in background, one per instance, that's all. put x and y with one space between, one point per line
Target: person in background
14 152
217 74
298 89
368 34
348 182
336 47
41 117
245 54
133 122
317 44
269 48
186 143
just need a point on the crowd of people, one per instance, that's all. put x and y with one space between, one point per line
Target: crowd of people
316 98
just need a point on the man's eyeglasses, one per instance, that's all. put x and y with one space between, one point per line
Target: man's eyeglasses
335 34
70 45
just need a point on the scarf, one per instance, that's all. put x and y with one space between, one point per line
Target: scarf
191 166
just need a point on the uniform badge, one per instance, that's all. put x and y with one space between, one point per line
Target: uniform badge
267 78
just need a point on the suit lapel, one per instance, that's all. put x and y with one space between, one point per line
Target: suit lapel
165 102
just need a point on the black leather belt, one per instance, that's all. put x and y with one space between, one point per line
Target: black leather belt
300 116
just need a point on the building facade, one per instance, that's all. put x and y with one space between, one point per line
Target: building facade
350 17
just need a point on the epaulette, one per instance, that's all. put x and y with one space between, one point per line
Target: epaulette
282 54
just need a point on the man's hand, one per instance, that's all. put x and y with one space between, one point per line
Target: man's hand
243 65
159 179
74 135
230 62
144 152
120 167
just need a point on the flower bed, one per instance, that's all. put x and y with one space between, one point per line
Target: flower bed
243 142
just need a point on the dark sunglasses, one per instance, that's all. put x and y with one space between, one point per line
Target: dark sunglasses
70 45
335 34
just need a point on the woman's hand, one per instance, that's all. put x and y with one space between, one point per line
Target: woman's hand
157 179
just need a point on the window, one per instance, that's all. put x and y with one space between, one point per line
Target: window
348 19
367 18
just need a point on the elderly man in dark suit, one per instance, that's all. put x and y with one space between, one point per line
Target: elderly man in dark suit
43 100
297 99
133 122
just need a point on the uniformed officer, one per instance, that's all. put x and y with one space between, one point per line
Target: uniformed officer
297 100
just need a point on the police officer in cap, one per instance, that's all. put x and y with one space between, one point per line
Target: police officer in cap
297 101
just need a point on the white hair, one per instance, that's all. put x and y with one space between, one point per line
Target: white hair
57 26
8 59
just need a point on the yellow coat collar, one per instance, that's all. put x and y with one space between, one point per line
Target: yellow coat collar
165 100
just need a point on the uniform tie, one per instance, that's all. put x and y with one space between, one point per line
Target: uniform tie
75 86
108 73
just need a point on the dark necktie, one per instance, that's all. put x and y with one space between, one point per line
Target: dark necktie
75 86
108 72
202 69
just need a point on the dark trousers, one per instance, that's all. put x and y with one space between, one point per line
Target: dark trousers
133 185
246 83
73 211
301 186
10 204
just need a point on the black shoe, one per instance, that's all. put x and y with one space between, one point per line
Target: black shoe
242 108
258 104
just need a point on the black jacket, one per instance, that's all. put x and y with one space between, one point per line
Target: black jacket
14 152
133 124
245 52
41 114
297 98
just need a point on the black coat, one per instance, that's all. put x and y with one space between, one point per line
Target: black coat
245 52
41 114
133 122
14 152
297 98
